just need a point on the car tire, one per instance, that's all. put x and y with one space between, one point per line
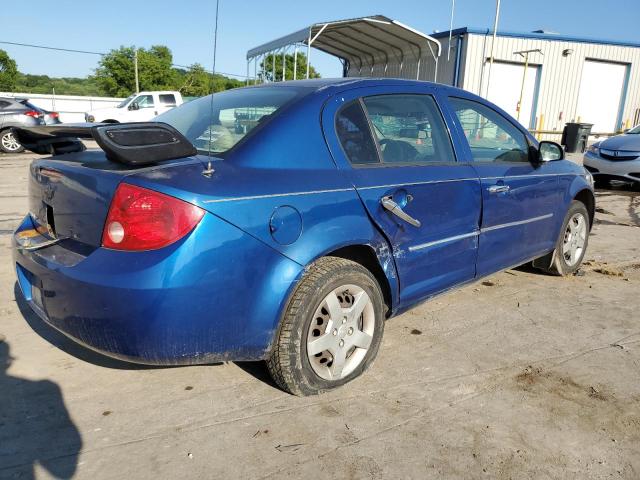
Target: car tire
8 142
571 245
324 309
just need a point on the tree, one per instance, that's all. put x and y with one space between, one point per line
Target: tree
116 75
197 82
8 72
266 67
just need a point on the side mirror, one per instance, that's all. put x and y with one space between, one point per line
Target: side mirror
134 106
549 151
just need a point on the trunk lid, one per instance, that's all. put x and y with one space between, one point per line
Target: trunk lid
70 195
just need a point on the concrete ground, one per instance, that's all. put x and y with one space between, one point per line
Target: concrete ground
522 375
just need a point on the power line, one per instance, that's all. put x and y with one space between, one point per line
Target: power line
72 50
52 48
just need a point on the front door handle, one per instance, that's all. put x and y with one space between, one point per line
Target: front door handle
498 188
393 207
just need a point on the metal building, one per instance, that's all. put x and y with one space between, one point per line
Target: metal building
543 79
566 78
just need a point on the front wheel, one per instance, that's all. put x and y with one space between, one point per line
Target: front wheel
331 330
571 244
9 143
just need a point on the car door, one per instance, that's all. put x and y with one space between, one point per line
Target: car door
520 197
396 149
145 110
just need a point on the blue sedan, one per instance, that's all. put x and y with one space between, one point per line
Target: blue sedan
286 222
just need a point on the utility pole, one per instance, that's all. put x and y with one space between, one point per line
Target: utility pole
453 6
135 66
493 44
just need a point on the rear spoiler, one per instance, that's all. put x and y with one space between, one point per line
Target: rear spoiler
140 143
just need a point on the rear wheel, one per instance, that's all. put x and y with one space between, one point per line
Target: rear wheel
571 244
331 330
9 143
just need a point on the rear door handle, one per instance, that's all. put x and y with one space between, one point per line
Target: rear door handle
393 207
498 188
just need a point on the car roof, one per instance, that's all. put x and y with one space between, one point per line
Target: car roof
334 85
360 81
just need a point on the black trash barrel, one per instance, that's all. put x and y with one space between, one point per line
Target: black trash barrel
575 137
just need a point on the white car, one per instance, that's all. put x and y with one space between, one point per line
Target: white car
616 158
139 107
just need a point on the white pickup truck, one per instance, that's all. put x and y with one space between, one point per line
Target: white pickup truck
139 107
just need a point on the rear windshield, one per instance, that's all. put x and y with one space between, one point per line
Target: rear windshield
30 105
215 124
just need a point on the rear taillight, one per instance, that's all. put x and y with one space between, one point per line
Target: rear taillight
142 219
32 113
54 114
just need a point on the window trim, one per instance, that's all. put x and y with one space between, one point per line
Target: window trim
489 107
382 163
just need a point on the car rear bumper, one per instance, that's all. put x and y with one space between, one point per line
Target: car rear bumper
181 304
628 170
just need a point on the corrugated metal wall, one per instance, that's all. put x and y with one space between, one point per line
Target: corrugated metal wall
560 75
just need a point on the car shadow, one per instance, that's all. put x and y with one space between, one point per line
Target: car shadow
35 426
259 371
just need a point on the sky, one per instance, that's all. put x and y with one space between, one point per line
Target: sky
186 27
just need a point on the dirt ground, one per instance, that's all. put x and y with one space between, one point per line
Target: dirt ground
521 375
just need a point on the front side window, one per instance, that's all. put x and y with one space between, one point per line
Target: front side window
491 137
216 124
409 129
355 136
144 101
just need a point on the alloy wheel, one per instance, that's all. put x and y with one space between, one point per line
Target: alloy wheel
9 142
341 332
575 238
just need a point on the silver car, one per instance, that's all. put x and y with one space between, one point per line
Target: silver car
16 112
616 158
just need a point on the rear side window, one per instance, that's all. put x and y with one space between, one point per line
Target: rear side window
4 104
491 137
167 100
217 124
409 129
353 131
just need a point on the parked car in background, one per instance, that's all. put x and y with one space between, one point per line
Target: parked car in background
616 158
16 112
139 107
292 239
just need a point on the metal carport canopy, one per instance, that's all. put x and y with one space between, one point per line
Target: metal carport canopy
362 42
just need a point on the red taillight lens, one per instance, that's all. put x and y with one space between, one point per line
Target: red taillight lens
54 114
142 219
32 113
